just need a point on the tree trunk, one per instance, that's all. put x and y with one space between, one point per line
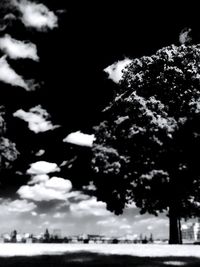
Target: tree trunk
175 236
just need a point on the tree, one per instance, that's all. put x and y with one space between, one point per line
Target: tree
8 150
147 145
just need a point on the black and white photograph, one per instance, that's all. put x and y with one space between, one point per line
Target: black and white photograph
99 133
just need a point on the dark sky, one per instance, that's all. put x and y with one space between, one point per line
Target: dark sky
94 35
91 36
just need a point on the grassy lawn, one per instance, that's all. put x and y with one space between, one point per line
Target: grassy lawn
83 259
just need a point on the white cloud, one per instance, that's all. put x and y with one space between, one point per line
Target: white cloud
184 36
115 70
80 139
6 21
89 207
149 227
18 49
41 178
40 153
46 223
59 215
18 206
77 196
116 222
131 205
59 184
107 222
37 119
53 189
36 15
9 76
42 167
39 192
125 226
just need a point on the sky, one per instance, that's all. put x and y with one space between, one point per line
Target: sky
60 63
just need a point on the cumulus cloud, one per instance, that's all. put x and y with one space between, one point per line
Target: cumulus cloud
9 76
59 184
89 207
37 118
18 49
39 193
17 206
41 178
114 71
54 189
36 15
41 168
80 139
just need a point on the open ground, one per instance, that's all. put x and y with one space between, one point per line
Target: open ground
60 255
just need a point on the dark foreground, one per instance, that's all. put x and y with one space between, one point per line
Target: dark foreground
83 259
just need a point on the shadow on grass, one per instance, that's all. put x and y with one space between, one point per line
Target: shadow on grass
84 259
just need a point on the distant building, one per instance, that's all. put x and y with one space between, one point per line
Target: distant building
57 233
191 232
46 236
14 236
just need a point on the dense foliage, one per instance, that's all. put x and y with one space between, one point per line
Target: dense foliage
147 147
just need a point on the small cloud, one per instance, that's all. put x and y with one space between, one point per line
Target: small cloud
80 139
36 179
33 213
6 21
42 167
64 163
18 49
36 15
42 192
89 207
131 205
9 76
114 71
45 189
40 153
107 222
58 215
125 226
9 17
46 223
20 206
185 36
59 184
149 227
37 118
76 196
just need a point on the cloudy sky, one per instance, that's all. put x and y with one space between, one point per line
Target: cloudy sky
59 65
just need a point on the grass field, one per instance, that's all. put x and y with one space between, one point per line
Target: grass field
52 255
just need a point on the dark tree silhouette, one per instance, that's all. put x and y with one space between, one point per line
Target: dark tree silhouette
147 146
8 150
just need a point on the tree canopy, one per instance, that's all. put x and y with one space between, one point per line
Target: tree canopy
8 150
147 145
